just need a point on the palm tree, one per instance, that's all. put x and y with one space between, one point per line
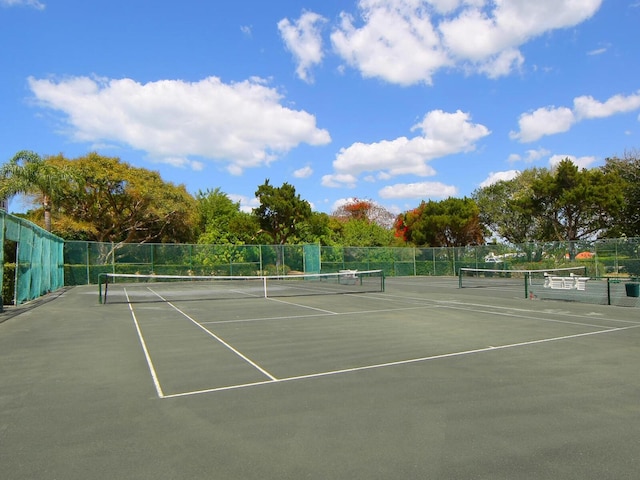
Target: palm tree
28 173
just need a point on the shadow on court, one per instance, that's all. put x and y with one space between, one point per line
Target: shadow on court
421 381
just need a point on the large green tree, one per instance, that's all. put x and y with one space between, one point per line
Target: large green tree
281 213
222 222
559 204
453 222
627 168
318 229
502 208
28 173
572 203
112 201
364 233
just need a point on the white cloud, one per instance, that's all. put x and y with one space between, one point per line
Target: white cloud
442 134
247 204
339 180
588 107
23 3
241 124
304 41
552 120
397 42
597 51
407 41
543 121
530 156
502 64
504 25
495 177
304 172
580 162
534 155
418 190
182 162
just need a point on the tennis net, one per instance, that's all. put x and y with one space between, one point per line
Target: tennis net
135 288
484 277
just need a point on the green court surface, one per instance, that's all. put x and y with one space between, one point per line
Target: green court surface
421 381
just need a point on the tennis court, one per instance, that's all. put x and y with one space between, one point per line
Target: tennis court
421 380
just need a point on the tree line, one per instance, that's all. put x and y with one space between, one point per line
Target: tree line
104 199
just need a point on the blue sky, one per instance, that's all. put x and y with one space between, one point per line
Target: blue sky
395 101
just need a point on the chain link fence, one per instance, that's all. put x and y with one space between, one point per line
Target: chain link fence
84 261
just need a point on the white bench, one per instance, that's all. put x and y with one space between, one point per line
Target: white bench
348 277
572 282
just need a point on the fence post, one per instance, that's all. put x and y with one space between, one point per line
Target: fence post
86 248
1 259
415 267
433 257
113 258
454 259
16 274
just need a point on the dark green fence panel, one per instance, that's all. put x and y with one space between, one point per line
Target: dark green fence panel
38 269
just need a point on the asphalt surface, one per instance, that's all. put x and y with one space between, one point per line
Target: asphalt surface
422 381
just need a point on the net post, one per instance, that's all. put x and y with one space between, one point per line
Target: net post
460 278
608 291
264 286
100 275
526 284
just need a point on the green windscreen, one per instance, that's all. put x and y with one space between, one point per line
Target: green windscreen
312 258
39 262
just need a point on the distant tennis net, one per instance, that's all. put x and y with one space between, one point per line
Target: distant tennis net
484 277
134 288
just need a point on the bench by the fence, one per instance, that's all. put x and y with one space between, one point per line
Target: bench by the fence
348 277
572 282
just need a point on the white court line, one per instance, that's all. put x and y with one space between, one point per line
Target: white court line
210 333
152 370
526 317
453 304
494 310
246 294
397 363
297 317
329 312
263 319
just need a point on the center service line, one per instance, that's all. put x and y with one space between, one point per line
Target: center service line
154 376
210 333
